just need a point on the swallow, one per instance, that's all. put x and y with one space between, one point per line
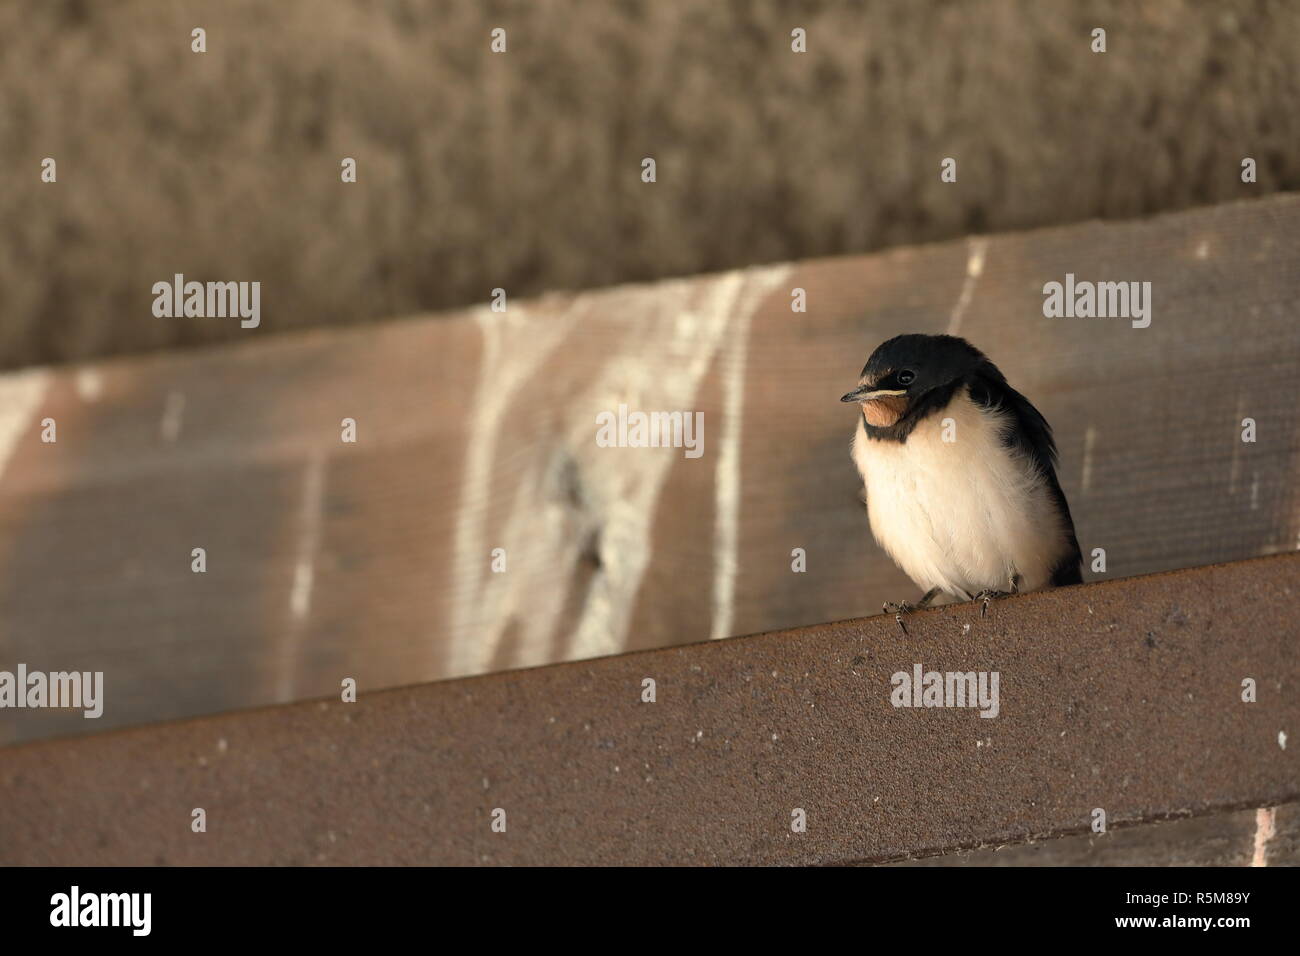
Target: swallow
959 471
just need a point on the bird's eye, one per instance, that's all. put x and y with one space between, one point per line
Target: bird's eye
906 377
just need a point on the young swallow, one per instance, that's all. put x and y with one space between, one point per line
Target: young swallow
960 475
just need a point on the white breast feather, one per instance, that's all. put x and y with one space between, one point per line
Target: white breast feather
964 515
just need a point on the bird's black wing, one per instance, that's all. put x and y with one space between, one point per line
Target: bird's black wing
1033 437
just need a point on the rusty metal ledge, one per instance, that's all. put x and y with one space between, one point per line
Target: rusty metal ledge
1123 695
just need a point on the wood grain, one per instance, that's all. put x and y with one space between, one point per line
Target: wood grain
476 430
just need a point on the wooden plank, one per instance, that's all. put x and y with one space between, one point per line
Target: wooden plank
477 431
1123 696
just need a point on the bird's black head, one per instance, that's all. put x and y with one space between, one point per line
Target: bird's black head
910 376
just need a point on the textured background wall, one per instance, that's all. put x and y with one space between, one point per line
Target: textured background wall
522 170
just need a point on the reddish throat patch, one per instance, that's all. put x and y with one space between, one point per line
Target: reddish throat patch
886 411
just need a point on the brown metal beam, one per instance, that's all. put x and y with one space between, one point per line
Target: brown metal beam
1262 837
1124 695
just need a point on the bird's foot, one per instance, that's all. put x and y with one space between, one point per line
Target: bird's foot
898 609
903 607
987 597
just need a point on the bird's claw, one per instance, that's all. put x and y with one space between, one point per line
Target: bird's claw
898 609
987 596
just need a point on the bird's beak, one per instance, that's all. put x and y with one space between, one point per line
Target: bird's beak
865 393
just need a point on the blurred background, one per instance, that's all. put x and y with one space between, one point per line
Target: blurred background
521 171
